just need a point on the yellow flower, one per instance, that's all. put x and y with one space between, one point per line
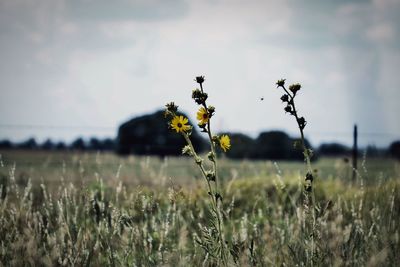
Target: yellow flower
202 116
225 142
179 124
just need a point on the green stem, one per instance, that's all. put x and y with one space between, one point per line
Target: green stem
215 170
307 158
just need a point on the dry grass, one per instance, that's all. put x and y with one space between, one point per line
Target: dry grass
101 210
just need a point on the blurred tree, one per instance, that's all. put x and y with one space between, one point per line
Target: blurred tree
6 144
108 144
150 135
275 145
48 145
333 149
78 144
101 145
241 146
61 146
95 144
28 144
394 149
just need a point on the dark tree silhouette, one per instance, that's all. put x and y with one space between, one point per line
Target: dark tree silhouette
242 146
28 144
6 144
48 145
333 149
150 135
78 144
394 149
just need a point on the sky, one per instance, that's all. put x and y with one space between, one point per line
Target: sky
72 68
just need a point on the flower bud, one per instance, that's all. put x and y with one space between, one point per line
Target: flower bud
171 108
186 150
294 88
280 82
285 98
198 96
218 196
288 109
309 177
211 110
302 122
198 160
211 156
210 175
215 139
199 79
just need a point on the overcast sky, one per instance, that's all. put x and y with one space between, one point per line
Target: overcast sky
85 66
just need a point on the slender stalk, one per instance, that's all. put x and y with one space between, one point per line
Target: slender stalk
215 170
307 158
214 200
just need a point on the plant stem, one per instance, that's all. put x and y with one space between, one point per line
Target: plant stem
215 170
307 158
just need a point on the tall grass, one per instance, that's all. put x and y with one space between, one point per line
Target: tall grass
92 216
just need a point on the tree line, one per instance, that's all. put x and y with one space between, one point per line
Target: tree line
150 135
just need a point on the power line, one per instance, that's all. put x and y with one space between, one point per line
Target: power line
59 127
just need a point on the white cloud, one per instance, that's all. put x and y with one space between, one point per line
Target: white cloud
99 70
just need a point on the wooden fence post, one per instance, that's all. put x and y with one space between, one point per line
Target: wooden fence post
355 153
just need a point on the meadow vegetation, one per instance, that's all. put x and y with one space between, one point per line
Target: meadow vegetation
97 209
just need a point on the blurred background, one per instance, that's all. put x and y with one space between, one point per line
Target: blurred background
72 73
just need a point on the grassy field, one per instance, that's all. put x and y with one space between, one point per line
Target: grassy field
59 208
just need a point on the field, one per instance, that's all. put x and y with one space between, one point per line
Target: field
88 209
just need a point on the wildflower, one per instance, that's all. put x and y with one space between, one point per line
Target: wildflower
203 116
225 142
179 124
